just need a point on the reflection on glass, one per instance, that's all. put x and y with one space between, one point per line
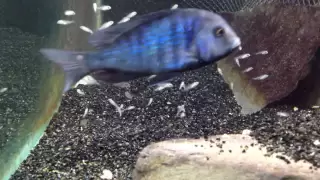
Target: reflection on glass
30 87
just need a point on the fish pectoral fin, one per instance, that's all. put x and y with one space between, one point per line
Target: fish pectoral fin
114 76
161 78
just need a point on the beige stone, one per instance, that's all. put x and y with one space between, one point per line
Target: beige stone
197 159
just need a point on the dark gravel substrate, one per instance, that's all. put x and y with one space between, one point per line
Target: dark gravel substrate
80 148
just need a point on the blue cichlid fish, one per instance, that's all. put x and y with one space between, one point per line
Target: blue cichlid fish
164 43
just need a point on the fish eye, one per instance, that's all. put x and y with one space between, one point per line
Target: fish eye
219 32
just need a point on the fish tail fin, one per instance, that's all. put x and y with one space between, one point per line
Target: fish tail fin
72 63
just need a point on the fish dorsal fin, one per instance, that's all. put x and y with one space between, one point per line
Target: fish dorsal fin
105 37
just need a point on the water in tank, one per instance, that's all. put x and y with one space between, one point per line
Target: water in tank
250 115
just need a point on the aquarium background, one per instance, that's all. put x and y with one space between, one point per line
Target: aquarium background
75 146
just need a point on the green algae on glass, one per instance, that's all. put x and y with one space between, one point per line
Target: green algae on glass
32 87
20 75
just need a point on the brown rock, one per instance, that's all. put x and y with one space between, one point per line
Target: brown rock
290 35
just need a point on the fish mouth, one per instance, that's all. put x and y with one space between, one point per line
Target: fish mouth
237 46
231 52
236 49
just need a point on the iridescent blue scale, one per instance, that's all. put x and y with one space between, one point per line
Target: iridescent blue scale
156 41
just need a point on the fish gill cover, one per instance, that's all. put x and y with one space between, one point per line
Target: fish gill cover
104 137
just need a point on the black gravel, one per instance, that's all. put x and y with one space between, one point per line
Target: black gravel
80 148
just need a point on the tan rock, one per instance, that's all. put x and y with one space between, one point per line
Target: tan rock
233 157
